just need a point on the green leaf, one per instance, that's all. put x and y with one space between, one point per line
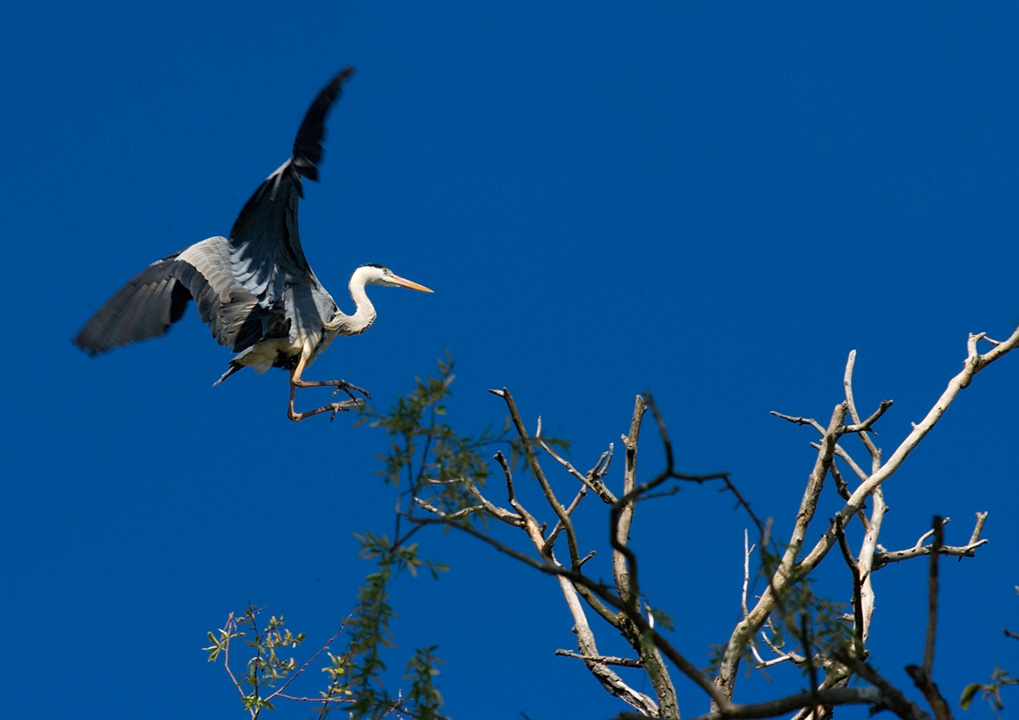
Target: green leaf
968 693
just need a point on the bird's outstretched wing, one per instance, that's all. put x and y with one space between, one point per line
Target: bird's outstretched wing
156 298
265 246
144 308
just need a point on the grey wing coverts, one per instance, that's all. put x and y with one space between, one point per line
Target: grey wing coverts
144 308
239 284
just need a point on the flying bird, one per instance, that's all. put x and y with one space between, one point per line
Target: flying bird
255 289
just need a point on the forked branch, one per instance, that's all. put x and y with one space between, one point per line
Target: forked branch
791 566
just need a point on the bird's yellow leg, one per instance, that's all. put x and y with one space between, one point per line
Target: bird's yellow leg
296 382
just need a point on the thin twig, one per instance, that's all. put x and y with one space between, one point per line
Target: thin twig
854 570
304 667
922 679
866 558
559 526
231 625
841 452
601 659
892 697
786 571
887 557
805 699
861 427
799 420
808 651
747 549
510 518
977 529
624 562
593 478
938 528
539 474
847 381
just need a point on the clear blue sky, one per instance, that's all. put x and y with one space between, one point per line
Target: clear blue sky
715 201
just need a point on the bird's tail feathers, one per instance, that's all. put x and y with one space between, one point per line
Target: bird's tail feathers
231 369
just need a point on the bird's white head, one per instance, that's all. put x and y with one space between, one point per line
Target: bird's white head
378 275
364 316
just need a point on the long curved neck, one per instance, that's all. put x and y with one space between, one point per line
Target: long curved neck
364 313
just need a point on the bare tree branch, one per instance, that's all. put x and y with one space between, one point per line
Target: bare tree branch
854 570
559 526
805 699
868 549
892 697
747 549
808 653
539 474
593 478
840 451
978 528
618 601
922 679
887 557
783 574
922 676
800 421
974 363
567 579
847 383
862 427
602 659
624 566
749 625
938 528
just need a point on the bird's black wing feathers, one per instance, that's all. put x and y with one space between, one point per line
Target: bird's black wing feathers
144 308
265 245
308 144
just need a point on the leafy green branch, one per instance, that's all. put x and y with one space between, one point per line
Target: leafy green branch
265 667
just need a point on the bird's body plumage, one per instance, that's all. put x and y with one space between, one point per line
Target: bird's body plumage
255 289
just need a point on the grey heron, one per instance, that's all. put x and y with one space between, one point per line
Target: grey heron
255 289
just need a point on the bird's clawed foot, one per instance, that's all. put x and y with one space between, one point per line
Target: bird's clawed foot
350 389
333 408
345 406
